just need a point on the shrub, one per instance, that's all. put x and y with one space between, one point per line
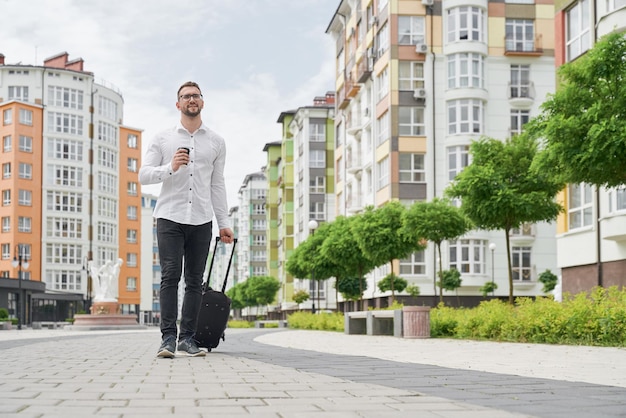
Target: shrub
549 281
234 323
300 296
413 290
321 321
4 313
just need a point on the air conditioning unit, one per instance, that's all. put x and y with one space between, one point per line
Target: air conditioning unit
421 48
428 2
419 94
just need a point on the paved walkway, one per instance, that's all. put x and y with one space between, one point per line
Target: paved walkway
288 373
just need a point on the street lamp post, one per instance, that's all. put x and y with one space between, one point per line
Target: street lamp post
19 260
312 227
492 247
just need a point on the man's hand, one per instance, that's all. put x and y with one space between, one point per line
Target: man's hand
181 157
226 235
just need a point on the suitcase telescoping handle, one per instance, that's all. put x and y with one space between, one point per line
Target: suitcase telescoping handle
230 261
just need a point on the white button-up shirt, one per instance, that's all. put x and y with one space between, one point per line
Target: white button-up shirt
196 192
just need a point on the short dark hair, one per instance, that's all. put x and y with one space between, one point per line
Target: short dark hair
187 84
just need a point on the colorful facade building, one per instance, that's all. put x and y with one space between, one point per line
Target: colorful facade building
591 235
417 82
69 185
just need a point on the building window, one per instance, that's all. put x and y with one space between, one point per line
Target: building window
382 169
317 210
617 199
107 232
6 170
415 264
578 29
64 254
6 251
107 183
132 165
465 116
317 159
132 188
65 149
412 168
131 284
26 143
26 171
458 159
6 143
24 224
467 256
520 81
466 23
317 132
64 201
612 5
131 236
107 133
7 116
519 118
65 97
107 157
258 239
258 209
411 75
131 212
26 117
18 93
520 35
580 206
382 84
6 224
382 128
382 40
131 260
521 263
317 184
65 123
133 141
107 108
62 175
6 197
259 224
411 121
411 30
25 198
466 70
64 227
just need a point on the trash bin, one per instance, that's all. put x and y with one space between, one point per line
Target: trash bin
416 322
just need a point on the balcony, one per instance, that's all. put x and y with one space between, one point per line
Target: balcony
364 69
521 94
516 45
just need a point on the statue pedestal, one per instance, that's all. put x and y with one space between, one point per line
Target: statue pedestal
105 308
104 316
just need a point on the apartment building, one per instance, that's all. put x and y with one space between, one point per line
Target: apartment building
301 188
591 244
417 82
69 185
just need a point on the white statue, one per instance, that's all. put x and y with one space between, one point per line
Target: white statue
105 279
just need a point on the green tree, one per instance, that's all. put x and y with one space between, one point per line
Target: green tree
450 280
351 288
549 281
343 249
583 123
300 296
378 235
498 190
435 221
262 290
391 281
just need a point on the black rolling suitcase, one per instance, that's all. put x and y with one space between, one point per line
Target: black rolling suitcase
215 308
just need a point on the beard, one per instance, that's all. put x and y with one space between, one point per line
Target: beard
192 113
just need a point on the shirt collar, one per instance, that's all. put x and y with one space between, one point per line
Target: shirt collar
179 127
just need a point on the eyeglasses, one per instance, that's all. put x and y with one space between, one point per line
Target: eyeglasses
187 97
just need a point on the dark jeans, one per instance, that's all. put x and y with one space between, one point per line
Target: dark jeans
178 243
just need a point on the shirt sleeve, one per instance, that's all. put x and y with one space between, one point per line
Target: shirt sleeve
218 189
152 169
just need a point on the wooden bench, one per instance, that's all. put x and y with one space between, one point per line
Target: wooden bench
409 322
281 323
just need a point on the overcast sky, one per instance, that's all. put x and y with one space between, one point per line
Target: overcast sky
252 58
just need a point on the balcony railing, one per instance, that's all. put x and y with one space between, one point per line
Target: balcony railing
514 45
